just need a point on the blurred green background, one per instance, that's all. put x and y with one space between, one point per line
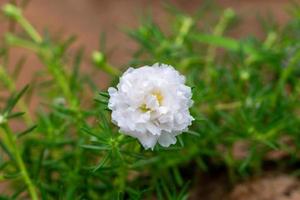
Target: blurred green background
245 85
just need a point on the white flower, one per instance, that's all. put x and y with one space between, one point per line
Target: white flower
152 104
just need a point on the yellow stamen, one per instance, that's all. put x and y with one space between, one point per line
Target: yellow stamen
144 108
158 96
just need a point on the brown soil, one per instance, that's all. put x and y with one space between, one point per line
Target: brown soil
270 186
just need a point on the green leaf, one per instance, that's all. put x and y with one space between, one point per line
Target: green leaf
104 94
96 147
223 42
14 100
29 130
15 115
102 162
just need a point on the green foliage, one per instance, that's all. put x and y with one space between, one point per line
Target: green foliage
245 91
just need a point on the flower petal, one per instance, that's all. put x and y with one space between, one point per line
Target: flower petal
148 140
166 139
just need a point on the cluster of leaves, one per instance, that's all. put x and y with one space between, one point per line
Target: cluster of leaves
245 91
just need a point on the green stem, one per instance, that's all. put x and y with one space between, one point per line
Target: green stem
13 40
285 73
100 61
270 40
184 30
30 30
16 14
61 78
10 139
56 71
268 43
111 70
218 31
228 106
221 106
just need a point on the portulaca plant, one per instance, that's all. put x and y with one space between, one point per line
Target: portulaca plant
152 104
57 140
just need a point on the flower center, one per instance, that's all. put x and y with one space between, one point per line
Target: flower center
144 108
159 98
